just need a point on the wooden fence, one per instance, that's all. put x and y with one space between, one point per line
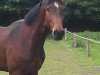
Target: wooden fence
75 40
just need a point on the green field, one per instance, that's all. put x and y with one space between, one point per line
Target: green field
63 59
81 44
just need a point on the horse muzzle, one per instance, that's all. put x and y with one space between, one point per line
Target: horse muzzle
57 35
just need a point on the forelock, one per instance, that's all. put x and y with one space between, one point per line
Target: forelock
47 2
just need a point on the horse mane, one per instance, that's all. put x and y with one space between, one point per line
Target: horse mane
32 14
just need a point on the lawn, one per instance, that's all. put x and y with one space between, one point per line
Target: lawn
63 59
94 47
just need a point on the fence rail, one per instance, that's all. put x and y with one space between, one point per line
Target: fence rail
87 40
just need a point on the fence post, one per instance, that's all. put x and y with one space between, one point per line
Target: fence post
65 33
88 47
74 40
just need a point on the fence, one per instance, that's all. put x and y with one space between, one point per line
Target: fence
75 39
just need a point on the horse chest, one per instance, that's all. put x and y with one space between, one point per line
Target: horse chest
38 60
36 63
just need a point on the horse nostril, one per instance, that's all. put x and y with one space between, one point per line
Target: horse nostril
55 32
58 35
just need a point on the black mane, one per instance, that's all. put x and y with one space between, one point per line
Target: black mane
32 14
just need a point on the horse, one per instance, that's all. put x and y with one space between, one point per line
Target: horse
22 42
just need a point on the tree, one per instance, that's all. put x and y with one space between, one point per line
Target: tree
83 13
12 10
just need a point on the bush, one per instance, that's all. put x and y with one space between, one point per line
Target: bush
12 10
82 15
80 43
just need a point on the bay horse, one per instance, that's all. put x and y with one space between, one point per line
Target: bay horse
21 43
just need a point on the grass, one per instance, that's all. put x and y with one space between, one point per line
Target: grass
63 59
94 48
91 35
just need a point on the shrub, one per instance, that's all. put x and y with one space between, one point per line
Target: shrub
80 43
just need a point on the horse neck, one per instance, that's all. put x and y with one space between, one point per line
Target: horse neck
39 31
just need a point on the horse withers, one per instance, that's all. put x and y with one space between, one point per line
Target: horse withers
21 43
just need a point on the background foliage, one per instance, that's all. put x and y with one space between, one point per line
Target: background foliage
83 14
79 14
12 10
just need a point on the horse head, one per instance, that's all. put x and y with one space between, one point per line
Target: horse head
54 17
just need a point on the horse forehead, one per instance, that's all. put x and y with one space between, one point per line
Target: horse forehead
56 4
